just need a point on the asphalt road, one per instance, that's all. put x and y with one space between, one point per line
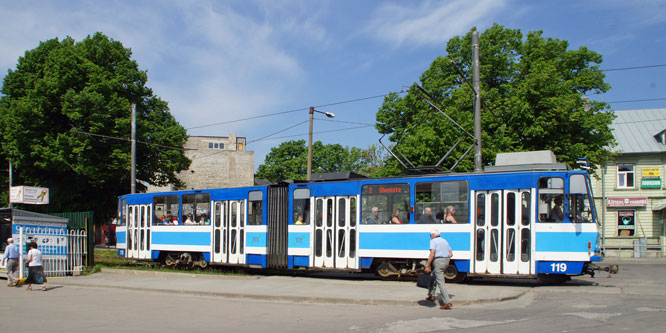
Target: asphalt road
632 300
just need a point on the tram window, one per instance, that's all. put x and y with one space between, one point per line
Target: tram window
434 201
196 209
526 204
511 245
551 195
319 213
352 243
580 210
255 208
352 212
379 201
301 206
481 209
525 247
329 212
166 208
122 212
494 209
511 209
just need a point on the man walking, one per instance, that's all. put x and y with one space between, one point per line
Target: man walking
11 257
440 254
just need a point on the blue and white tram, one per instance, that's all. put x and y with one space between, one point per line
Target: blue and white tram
519 222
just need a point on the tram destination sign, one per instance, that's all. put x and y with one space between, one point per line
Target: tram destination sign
626 202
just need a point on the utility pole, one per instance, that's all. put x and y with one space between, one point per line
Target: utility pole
11 205
133 152
310 145
478 161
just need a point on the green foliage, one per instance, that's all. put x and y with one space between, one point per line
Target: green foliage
532 91
63 88
289 160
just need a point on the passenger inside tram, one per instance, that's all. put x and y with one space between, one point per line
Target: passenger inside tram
299 219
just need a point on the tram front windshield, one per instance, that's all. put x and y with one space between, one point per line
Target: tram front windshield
580 207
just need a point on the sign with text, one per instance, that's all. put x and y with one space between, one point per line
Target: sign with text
651 183
29 195
626 221
626 202
650 172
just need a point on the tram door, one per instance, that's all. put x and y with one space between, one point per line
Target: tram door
335 232
502 232
138 231
229 232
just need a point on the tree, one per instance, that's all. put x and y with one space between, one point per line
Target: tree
289 160
533 99
65 105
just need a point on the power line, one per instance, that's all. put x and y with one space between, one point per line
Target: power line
630 68
278 132
295 110
129 140
346 122
638 100
320 132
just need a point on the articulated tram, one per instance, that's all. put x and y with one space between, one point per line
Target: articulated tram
529 220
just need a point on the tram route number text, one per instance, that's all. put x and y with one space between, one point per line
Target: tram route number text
558 267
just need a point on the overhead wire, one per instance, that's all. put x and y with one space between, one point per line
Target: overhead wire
130 140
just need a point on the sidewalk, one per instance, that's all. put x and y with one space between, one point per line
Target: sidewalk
284 288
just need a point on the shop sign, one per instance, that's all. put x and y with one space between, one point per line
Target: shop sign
626 202
651 183
650 172
29 195
625 219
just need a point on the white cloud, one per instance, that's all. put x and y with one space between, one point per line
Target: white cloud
432 22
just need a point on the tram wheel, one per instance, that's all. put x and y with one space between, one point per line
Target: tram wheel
386 271
453 275
170 260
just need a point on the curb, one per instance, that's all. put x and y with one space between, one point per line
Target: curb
295 299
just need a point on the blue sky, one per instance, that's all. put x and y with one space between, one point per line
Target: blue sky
218 61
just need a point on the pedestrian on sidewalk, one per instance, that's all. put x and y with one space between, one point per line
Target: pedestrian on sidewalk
35 267
11 258
440 254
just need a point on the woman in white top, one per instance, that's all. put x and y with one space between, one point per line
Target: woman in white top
35 267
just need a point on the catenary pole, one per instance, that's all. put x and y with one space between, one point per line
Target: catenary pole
477 101
11 205
310 145
133 152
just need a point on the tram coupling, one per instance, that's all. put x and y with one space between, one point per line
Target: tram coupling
591 268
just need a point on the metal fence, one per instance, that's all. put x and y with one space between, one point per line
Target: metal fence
63 251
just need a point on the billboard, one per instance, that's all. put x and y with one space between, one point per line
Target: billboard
29 195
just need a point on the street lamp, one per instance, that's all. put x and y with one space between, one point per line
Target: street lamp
312 111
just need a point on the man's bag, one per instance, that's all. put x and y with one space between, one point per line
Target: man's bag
424 280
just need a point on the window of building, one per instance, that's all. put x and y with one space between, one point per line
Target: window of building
442 202
166 209
301 206
240 146
216 145
196 209
380 202
255 209
551 199
626 222
625 176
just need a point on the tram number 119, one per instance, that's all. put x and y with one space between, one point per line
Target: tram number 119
558 267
